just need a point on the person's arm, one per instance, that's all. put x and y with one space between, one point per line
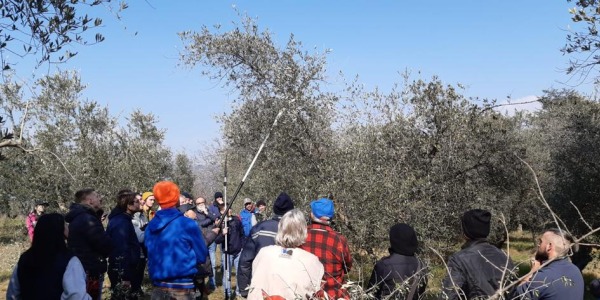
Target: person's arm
139 234
374 282
347 255
13 292
529 287
453 282
73 282
207 221
197 241
209 235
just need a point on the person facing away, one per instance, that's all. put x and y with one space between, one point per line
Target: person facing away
401 275
285 269
34 215
205 269
559 278
123 261
330 247
88 240
175 247
261 235
477 270
48 270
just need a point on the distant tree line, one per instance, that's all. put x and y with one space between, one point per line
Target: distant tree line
60 143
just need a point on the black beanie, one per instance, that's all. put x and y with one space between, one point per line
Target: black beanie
476 224
403 239
218 195
282 204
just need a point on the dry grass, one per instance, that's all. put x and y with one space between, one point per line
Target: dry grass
13 241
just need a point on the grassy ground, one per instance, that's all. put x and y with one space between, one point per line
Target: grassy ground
13 241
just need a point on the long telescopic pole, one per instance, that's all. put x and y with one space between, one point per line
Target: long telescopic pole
226 272
237 191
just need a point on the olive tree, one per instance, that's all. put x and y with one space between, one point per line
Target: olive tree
71 143
269 80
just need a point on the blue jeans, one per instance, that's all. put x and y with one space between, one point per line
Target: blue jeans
212 253
234 260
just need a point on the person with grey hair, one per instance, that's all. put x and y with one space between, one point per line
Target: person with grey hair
558 278
284 269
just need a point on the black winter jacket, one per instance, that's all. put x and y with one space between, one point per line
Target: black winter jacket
203 220
477 270
126 252
87 239
235 236
261 235
392 271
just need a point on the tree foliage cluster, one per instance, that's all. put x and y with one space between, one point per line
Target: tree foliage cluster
67 143
44 28
421 154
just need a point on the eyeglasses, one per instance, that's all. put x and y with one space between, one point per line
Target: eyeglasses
198 203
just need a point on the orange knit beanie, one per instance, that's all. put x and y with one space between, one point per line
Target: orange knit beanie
166 193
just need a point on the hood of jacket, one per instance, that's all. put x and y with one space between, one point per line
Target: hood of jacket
77 209
114 212
162 218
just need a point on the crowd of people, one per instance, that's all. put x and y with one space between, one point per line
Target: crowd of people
281 256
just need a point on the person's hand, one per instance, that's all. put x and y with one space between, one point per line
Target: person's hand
216 230
535 264
225 230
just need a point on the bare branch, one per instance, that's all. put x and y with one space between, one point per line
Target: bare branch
581 217
53 154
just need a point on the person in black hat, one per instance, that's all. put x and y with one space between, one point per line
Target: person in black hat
34 215
479 268
261 235
401 275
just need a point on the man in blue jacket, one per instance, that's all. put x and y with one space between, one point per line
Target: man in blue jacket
175 247
247 216
553 276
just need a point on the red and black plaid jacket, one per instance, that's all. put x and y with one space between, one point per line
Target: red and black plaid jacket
332 250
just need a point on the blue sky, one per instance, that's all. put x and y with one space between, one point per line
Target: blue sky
495 48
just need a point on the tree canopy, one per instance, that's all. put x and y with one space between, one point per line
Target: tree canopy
45 28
